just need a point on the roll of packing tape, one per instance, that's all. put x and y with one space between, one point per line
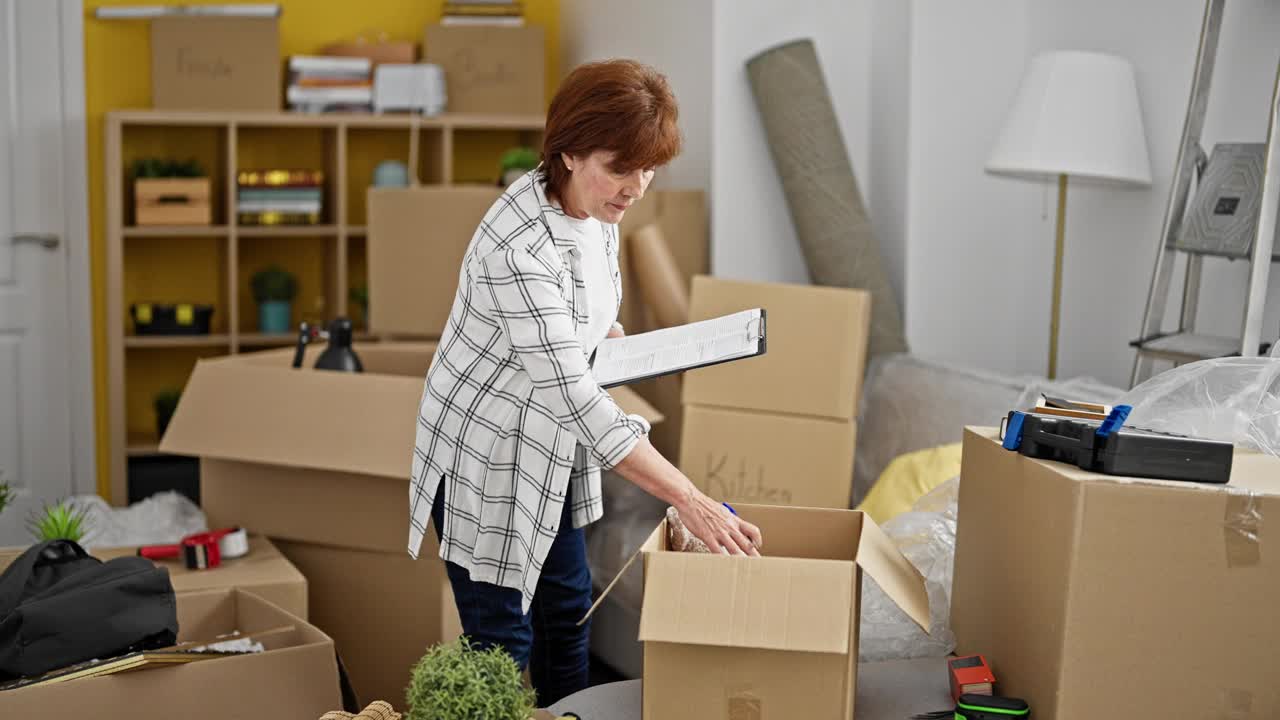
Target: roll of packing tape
234 543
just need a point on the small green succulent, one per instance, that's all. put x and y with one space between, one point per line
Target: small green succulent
58 522
456 681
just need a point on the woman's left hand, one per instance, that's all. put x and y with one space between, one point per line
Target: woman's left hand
615 331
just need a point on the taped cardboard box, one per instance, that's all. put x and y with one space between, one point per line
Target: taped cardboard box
768 458
215 63
490 69
263 571
817 349
1098 596
417 239
319 461
295 677
770 637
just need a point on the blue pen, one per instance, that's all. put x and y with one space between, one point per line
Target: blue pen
735 512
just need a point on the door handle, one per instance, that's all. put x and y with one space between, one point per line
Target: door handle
48 241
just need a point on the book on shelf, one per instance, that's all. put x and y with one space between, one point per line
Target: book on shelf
460 12
319 83
280 177
465 20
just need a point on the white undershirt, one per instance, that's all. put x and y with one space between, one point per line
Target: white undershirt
602 298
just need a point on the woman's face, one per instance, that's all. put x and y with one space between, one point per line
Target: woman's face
597 191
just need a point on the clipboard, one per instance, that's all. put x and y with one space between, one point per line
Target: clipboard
635 358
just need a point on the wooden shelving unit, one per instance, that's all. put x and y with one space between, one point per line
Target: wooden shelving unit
144 261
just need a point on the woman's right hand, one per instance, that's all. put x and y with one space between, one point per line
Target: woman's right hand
722 531
709 521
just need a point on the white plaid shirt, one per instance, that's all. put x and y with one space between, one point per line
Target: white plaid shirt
510 414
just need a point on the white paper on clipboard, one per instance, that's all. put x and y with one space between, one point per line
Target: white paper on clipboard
623 360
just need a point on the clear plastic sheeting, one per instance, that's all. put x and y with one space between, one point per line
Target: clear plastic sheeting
927 537
1233 399
160 519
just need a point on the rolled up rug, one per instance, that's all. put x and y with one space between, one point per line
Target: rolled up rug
822 193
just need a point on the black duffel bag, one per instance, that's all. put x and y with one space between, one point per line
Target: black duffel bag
59 606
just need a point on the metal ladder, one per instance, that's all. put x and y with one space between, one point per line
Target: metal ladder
1184 344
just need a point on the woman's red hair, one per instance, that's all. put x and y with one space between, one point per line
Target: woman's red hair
620 106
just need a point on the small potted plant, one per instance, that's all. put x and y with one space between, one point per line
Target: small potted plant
456 681
515 163
61 521
274 289
359 298
165 402
170 192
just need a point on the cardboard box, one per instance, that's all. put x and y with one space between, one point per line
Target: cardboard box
319 461
817 350
215 63
417 239
767 637
405 604
1096 596
497 70
768 458
296 677
264 572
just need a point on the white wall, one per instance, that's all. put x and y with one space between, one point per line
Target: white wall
752 234
963 304
890 107
672 35
971 274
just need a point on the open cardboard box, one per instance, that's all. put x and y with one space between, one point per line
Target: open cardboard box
775 636
295 677
263 571
319 461
1098 596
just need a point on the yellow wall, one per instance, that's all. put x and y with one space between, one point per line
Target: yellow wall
118 76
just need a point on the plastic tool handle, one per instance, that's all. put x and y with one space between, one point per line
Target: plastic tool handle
160 552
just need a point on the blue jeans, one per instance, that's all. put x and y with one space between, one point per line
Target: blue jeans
547 639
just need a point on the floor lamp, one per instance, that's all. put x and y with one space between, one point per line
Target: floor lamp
1076 115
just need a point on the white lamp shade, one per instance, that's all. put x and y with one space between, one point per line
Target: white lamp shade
1076 114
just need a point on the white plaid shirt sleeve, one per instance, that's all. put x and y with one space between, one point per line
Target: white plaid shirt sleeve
525 295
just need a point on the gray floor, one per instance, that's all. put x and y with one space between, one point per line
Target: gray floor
886 691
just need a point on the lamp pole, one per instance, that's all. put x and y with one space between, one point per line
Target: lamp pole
1057 276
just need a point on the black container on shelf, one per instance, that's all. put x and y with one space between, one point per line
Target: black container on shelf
171 318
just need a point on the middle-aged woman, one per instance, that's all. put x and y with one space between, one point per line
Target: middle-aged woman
513 431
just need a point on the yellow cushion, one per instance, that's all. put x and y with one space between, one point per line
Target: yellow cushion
909 477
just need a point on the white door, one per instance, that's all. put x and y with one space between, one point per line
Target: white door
36 384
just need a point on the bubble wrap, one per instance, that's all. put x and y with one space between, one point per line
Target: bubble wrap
927 537
161 518
1233 399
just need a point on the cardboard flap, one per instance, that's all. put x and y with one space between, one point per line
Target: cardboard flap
359 423
879 558
767 603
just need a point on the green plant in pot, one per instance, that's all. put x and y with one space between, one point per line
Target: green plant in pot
359 297
515 163
61 521
457 681
274 289
165 402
